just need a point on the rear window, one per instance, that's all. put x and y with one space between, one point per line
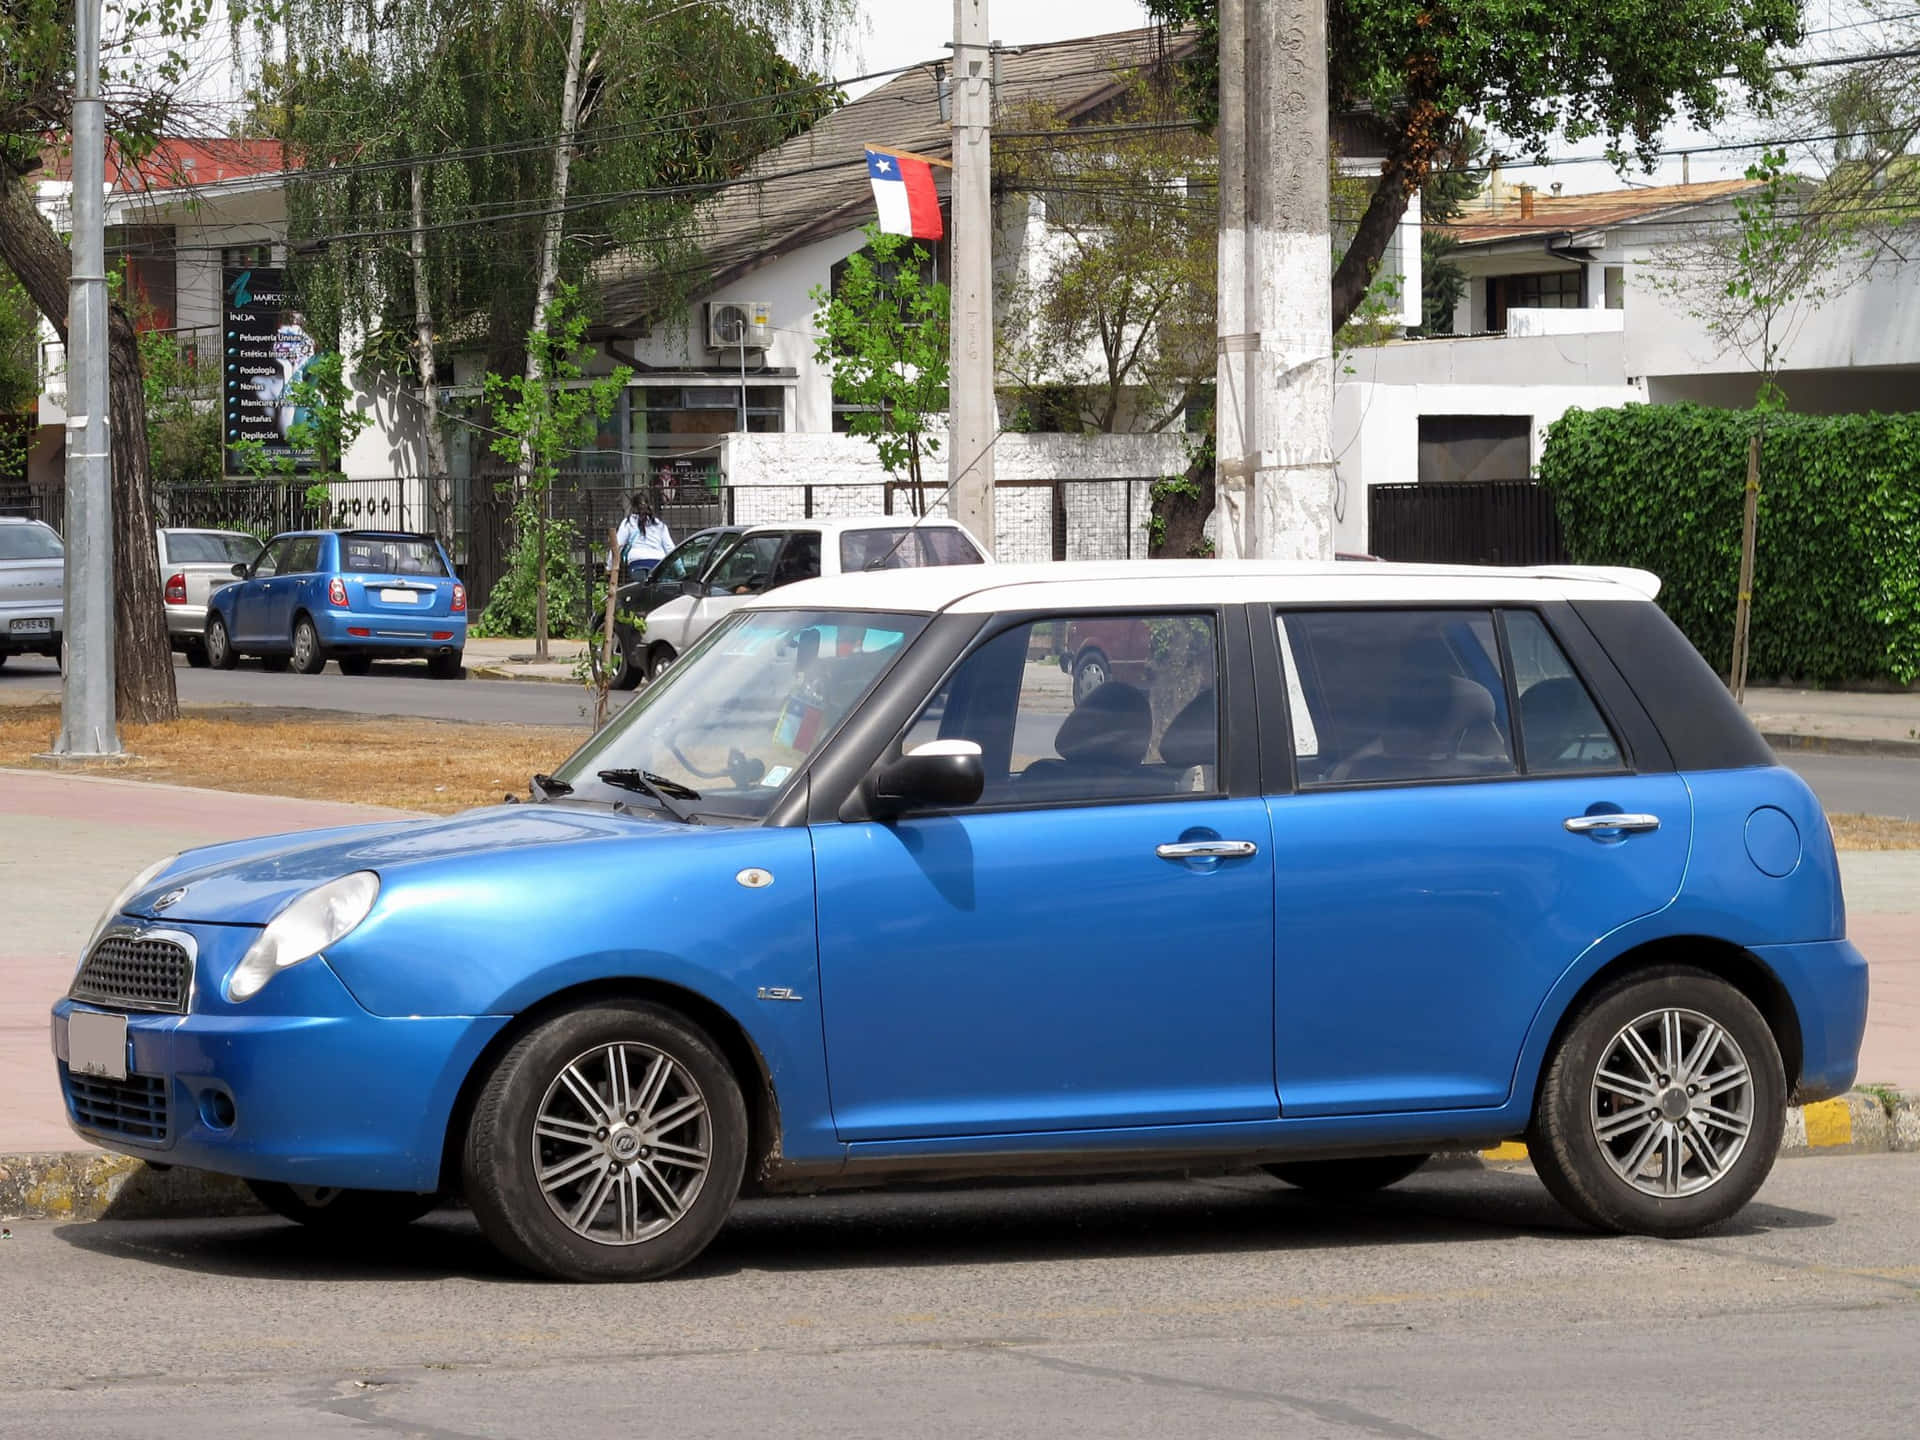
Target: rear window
29 542
207 548
390 555
903 547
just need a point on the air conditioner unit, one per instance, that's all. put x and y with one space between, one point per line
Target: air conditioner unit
739 324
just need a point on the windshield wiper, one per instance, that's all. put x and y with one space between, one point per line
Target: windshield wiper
545 787
657 786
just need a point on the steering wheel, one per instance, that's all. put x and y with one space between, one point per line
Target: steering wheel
741 768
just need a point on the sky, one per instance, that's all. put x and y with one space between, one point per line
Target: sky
903 32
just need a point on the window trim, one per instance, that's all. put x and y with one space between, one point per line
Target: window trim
1280 763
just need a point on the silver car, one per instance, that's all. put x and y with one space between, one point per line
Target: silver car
194 564
33 570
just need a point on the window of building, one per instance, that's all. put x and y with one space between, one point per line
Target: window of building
144 254
1475 447
1616 287
244 257
1549 290
675 421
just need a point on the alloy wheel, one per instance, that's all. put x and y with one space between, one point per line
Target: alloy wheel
622 1142
1672 1102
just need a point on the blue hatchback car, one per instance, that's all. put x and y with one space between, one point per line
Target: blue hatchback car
352 596
1366 863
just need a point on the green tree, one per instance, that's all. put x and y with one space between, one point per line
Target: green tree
145 58
1528 71
183 412
883 330
543 422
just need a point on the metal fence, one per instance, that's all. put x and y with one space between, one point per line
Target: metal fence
1497 522
263 507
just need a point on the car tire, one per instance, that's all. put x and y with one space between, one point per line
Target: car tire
3 660
196 653
593 1195
309 655
274 664
1668 1132
354 664
446 667
1352 1175
658 659
633 661
219 646
1090 672
339 1211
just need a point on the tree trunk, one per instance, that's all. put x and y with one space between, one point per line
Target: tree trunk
143 661
1416 144
1180 512
1743 598
439 474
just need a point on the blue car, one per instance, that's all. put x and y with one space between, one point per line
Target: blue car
351 596
1367 862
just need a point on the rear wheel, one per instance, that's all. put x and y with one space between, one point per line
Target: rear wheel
309 655
445 667
219 647
330 1208
1352 1176
608 1144
196 652
354 664
658 659
1662 1106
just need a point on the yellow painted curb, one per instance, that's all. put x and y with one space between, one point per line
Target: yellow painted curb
1829 1122
1506 1150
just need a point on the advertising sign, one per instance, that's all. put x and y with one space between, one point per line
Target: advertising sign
267 349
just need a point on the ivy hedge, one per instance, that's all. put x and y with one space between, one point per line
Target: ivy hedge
1836 592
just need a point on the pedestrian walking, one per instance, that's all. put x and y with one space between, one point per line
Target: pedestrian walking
643 538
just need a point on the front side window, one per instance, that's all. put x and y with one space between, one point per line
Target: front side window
1395 695
745 708
1153 733
1561 729
749 566
273 559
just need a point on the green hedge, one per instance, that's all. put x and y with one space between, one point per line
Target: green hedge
1836 592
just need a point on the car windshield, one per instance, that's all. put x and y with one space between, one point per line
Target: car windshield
29 542
745 708
207 547
390 555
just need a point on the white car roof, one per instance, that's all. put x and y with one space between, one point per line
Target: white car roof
1089 585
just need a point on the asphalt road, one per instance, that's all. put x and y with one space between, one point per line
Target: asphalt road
1461 1304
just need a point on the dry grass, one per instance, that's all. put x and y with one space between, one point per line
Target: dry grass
1874 832
412 764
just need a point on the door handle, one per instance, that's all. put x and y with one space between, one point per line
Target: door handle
1207 850
1586 824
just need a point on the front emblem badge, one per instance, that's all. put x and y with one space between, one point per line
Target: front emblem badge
755 878
169 900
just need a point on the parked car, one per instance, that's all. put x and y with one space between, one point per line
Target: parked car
765 557
692 559
354 596
33 595
1393 860
193 564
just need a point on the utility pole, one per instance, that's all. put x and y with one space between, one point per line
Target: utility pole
1274 413
87 718
970 430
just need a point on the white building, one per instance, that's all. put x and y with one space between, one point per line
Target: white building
1571 301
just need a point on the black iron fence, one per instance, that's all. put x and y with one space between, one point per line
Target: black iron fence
1497 522
263 507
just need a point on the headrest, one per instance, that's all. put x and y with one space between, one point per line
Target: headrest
1111 726
1193 737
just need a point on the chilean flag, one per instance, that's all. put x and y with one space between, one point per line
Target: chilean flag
904 195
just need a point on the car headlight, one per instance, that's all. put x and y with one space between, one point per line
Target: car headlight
323 915
119 902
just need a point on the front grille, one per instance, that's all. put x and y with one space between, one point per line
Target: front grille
137 974
135 1107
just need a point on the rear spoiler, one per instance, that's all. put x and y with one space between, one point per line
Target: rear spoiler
1643 583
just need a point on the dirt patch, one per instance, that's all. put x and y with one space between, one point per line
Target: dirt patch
412 764
1874 832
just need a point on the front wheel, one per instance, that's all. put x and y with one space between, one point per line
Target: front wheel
633 661
330 1208
1662 1106
1351 1176
219 646
608 1144
658 659
309 655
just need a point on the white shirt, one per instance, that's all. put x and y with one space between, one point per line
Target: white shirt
649 541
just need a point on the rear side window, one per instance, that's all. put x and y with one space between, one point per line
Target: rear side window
904 547
1379 696
29 542
390 555
302 556
1561 729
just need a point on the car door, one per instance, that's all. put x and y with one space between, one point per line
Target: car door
254 597
1442 860
299 564
1090 945
745 571
663 581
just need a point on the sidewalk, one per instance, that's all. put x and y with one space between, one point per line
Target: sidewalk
512 659
68 842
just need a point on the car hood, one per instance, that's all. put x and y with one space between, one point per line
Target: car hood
250 881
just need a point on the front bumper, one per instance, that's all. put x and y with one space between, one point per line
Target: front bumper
352 632
1827 982
298 1084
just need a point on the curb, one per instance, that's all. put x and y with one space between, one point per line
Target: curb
1842 745
501 672
89 1185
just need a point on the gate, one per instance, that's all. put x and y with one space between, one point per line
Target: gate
1474 522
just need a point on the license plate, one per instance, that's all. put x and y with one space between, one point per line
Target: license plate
39 625
97 1044
400 597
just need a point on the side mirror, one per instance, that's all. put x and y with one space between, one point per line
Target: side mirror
239 569
938 775
694 589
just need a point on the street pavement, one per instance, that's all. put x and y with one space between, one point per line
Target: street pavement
1460 1304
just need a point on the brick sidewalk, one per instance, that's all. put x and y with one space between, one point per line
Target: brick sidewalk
67 843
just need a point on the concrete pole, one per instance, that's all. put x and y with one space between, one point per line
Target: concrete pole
87 718
971 428
1276 361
